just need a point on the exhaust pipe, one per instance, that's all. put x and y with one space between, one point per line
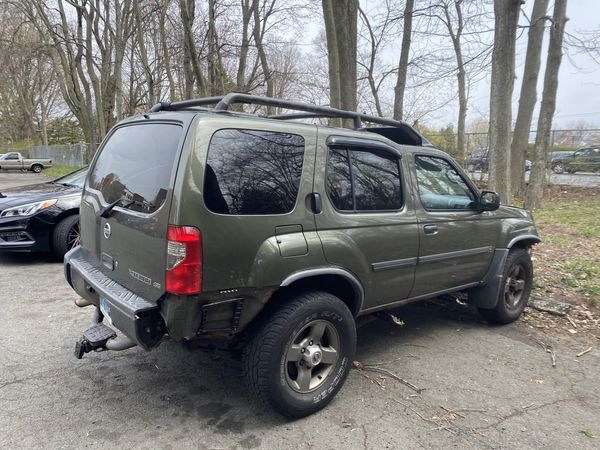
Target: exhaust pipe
119 344
81 302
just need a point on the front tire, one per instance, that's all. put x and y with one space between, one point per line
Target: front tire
558 168
36 168
518 282
301 354
66 235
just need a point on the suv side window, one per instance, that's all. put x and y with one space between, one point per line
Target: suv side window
441 186
253 172
363 180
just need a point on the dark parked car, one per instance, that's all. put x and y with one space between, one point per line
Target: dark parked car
583 160
478 161
42 217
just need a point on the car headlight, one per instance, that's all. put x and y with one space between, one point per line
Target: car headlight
29 209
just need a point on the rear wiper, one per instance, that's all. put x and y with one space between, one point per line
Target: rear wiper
105 212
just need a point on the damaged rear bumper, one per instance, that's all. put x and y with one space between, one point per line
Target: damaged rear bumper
136 317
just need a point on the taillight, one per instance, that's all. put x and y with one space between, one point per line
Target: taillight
184 261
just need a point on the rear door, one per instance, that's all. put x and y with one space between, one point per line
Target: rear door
457 240
136 169
368 224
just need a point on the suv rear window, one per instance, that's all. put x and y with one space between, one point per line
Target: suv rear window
135 165
253 172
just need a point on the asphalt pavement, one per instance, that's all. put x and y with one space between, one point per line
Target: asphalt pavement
482 386
579 179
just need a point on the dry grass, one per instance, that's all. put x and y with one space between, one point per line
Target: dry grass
567 263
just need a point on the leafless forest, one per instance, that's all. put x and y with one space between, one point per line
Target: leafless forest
70 69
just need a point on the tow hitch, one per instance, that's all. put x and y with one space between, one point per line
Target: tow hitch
94 338
99 337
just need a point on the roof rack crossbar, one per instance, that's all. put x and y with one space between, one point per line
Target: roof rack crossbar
306 111
223 103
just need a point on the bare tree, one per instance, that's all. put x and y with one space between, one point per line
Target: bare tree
341 29
259 32
403 61
528 95
192 68
455 31
535 192
67 56
506 18
144 53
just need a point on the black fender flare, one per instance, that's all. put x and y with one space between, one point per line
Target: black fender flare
359 292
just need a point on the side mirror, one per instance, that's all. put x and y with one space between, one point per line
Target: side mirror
489 201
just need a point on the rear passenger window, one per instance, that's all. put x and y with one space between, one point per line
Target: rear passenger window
253 172
363 180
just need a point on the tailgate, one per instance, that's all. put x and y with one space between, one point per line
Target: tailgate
125 206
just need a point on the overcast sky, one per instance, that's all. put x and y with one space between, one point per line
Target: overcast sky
579 81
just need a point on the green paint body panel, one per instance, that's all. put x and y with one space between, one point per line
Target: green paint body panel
387 258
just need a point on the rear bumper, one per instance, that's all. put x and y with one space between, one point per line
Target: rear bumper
136 317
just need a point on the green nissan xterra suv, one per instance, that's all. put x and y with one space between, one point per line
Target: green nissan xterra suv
274 235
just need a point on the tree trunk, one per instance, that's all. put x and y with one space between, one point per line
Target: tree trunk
528 95
535 192
213 72
461 76
144 54
372 62
332 59
165 49
506 13
244 47
403 62
262 55
191 64
341 22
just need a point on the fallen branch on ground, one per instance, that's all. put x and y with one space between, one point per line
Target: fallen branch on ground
360 366
587 350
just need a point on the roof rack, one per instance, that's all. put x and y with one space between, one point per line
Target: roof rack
222 103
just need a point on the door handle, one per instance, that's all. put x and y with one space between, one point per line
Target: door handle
430 229
316 204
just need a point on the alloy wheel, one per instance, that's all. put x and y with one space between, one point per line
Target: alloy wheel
74 236
514 287
311 356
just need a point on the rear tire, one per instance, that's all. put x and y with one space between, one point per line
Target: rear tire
518 282
36 168
65 235
301 353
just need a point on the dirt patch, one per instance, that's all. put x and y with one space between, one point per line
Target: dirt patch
567 262
580 321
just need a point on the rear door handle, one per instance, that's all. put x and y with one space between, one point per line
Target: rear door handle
430 229
316 204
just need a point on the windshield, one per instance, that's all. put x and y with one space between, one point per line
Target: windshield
135 166
76 178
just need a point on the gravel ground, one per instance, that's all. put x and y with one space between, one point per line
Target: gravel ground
484 386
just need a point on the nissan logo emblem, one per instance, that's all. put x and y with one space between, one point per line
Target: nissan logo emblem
107 230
